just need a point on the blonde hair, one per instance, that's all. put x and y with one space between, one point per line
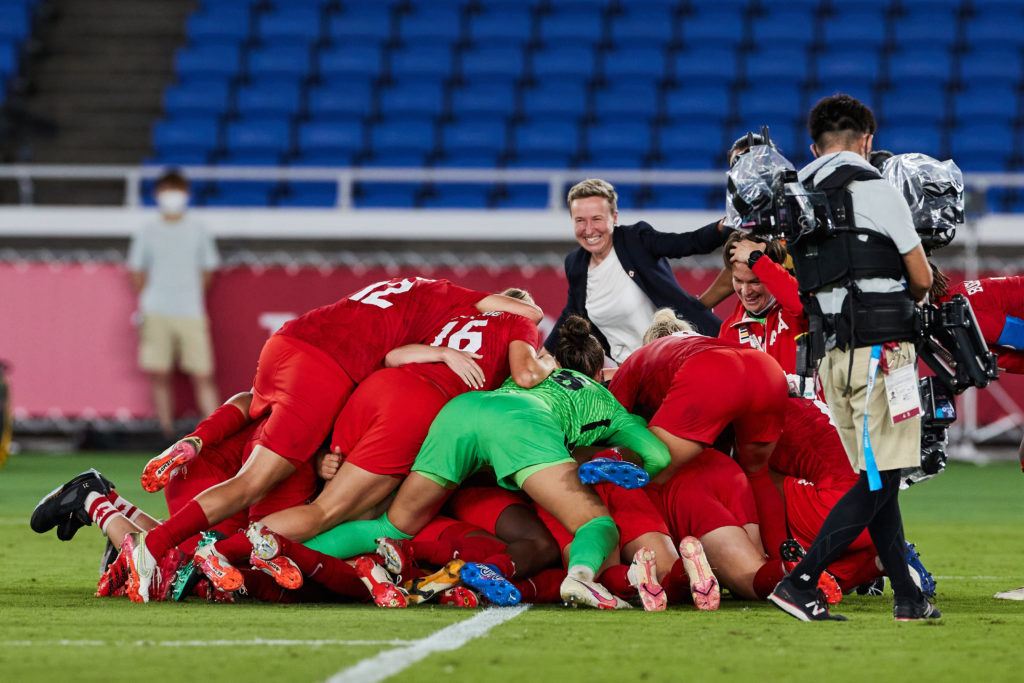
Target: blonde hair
594 187
665 323
517 293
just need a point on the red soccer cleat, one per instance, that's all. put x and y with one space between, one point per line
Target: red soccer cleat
169 565
285 572
378 581
160 469
396 553
114 580
217 568
459 596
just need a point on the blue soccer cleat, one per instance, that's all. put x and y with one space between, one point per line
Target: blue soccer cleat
488 581
624 474
921 576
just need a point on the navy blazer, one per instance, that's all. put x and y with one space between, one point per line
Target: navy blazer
644 253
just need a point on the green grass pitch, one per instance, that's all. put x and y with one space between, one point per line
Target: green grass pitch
968 524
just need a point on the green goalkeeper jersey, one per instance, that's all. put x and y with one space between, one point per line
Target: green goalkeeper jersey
588 413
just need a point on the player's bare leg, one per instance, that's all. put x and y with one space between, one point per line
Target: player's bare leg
680 450
261 472
665 550
529 543
418 501
348 495
734 558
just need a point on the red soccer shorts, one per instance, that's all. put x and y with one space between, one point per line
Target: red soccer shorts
715 387
708 493
443 528
384 422
482 505
633 512
807 506
303 389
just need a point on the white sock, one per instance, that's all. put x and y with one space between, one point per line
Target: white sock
100 510
126 508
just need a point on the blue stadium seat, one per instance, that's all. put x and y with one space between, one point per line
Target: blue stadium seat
554 99
653 25
270 96
913 137
239 193
916 67
992 64
708 102
431 61
692 197
292 23
783 24
923 102
361 59
503 25
186 133
693 145
489 63
927 27
864 91
8 61
767 100
546 143
412 137
343 98
463 137
284 59
478 158
516 196
583 26
457 196
208 59
855 24
198 96
412 98
322 195
361 22
716 24
997 28
618 144
386 195
846 62
635 63
573 61
986 103
626 100
254 136
982 146
486 100
705 64
14 25
434 24
772 61
224 23
341 138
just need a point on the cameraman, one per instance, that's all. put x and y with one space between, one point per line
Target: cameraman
860 283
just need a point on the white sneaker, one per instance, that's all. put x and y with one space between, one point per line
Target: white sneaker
142 568
576 592
264 542
1016 594
643 575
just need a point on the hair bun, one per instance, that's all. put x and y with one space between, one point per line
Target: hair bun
575 328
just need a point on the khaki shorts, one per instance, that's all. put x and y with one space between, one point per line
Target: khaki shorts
895 446
162 339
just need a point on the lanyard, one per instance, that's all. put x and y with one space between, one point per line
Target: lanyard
874 479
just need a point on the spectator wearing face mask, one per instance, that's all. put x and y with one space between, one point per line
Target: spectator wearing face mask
172 260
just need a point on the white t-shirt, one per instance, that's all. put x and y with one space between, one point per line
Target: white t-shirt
877 206
174 255
618 307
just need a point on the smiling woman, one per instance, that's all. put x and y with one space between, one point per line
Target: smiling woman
620 274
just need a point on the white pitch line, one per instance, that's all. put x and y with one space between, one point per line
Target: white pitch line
390 662
201 643
975 578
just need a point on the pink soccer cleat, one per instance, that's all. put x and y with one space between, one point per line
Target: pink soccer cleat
160 469
703 584
643 575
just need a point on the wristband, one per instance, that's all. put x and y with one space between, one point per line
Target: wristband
752 259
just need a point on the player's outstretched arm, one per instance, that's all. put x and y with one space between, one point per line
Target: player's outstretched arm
462 363
528 368
506 304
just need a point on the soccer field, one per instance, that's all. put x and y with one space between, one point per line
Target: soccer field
967 524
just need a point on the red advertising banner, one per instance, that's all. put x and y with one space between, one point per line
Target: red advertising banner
69 338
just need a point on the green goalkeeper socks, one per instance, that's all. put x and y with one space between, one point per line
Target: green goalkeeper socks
355 538
593 543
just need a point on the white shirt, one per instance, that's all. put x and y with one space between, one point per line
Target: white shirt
618 307
877 206
174 255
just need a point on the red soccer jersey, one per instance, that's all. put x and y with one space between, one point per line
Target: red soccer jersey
643 379
360 329
810 447
487 334
993 299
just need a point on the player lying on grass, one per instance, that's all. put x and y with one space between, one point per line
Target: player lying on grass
306 372
522 434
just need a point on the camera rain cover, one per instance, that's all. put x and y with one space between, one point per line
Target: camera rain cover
934 191
752 182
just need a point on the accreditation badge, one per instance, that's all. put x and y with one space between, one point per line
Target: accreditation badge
901 390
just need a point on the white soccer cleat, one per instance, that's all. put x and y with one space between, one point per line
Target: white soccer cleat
264 542
142 567
576 592
1016 594
643 575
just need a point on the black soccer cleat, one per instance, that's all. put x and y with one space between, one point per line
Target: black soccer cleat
64 507
915 610
803 604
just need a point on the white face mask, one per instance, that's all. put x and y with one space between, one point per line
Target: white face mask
172 202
